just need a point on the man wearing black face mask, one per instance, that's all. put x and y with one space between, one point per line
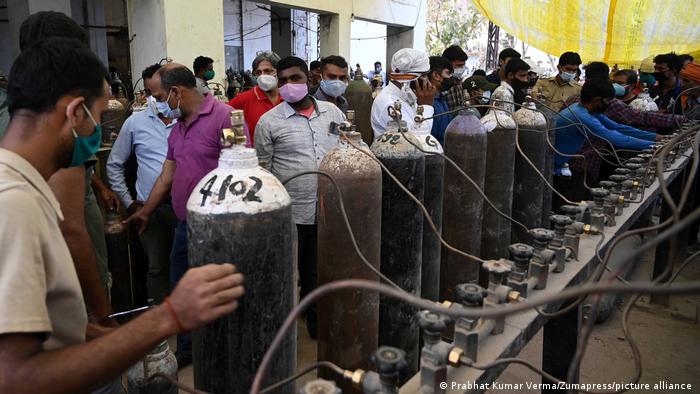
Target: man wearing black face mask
515 80
666 68
596 95
441 77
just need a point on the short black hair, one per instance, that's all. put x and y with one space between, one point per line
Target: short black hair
597 87
45 24
686 58
672 60
314 65
52 68
439 63
508 53
630 76
201 62
597 70
334 60
293 61
515 65
375 63
570 58
150 70
455 52
176 76
479 72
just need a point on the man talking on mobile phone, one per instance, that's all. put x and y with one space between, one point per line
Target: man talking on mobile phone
410 85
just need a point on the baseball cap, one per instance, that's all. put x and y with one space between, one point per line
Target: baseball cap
478 82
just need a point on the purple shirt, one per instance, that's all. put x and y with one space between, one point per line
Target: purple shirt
195 148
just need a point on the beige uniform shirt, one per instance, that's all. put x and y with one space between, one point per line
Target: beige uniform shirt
554 94
39 288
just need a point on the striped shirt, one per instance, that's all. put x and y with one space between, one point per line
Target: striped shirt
288 143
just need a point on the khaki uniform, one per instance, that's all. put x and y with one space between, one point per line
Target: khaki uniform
554 94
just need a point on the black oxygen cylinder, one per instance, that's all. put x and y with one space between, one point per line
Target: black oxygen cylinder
241 214
359 96
118 263
465 144
432 199
348 323
528 189
402 239
498 186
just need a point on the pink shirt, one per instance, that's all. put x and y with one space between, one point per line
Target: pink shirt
195 148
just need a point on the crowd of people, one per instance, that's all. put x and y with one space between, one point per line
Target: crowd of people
55 333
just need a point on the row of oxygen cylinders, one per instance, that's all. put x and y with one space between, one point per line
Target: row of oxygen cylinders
241 213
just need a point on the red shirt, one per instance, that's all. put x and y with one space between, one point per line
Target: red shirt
254 104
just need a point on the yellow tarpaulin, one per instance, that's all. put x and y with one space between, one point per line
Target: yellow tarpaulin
619 32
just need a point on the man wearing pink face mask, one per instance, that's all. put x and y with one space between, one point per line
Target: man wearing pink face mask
291 138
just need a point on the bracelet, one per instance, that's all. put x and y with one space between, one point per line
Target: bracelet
170 309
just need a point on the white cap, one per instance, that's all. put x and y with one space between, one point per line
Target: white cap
408 60
533 66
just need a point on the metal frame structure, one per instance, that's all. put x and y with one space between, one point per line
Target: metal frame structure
492 47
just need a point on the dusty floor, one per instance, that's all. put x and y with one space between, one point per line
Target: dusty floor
668 338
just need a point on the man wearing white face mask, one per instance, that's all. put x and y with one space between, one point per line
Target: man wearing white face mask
146 134
556 90
458 58
479 90
263 97
334 81
410 86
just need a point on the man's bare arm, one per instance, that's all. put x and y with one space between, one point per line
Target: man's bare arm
68 185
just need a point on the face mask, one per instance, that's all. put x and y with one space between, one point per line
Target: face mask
333 87
165 110
660 76
267 82
519 85
85 147
447 84
485 97
459 72
619 90
377 70
648 79
209 75
567 77
294 92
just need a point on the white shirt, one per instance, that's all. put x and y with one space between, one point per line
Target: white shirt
385 99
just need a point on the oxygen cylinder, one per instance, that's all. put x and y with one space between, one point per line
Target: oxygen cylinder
402 237
118 262
359 96
432 199
465 144
498 186
240 213
112 121
528 190
158 361
348 320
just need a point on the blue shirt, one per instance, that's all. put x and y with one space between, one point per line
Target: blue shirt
570 137
441 122
147 136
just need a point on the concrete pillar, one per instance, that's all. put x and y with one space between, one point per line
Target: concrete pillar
281 30
397 38
335 35
181 31
19 10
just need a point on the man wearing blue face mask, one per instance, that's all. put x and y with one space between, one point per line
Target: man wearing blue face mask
145 133
554 91
334 81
